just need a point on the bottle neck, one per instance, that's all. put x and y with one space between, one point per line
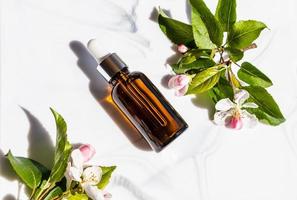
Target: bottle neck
121 75
111 65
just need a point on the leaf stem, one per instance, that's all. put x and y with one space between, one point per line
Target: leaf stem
45 191
221 52
32 194
230 79
237 64
213 52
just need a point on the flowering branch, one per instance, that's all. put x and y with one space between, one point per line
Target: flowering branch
208 56
82 180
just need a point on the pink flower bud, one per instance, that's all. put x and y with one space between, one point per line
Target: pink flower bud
182 48
87 152
107 195
179 83
235 123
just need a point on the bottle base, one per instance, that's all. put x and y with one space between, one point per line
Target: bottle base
169 141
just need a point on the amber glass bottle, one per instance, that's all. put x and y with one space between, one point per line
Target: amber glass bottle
143 104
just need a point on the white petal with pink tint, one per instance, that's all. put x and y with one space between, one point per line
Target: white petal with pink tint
75 174
224 104
171 82
178 81
87 151
221 117
182 91
77 159
249 105
93 192
240 97
249 119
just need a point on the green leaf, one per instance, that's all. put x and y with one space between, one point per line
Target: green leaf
62 150
200 32
234 54
194 61
268 111
253 76
178 32
226 13
221 90
106 175
196 66
233 79
28 170
213 26
243 33
205 80
54 193
77 197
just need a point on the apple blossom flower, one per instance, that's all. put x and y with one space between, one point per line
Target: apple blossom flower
88 177
231 113
180 83
87 151
182 48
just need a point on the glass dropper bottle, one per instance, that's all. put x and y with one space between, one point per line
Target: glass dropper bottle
139 99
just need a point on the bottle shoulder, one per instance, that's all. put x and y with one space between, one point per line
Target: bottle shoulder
125 79
137 75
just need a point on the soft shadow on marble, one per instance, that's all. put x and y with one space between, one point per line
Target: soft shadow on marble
9 197
41 147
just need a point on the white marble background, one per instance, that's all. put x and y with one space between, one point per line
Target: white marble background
44 63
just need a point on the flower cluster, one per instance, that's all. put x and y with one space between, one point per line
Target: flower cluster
232 114
85 176
83 181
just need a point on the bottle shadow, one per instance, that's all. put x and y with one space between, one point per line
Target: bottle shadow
101 91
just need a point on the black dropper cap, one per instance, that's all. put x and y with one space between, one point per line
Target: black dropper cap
111 63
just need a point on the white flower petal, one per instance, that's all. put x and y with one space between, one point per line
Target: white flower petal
221 117
75 174
77 159
92 175
182 91
72 174
224 104
178 81
93 192
249 105
68 176
241 96
249 120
